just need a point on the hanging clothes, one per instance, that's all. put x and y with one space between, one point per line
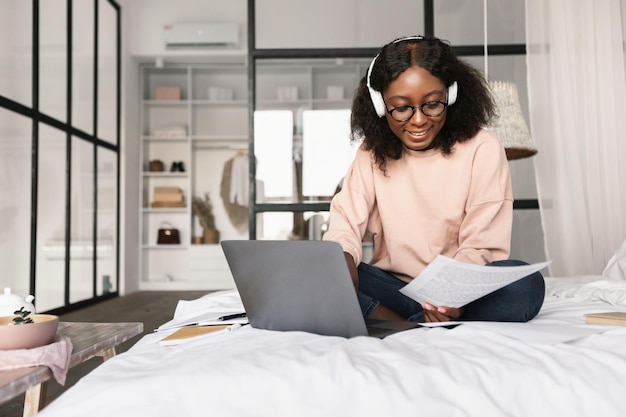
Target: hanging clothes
239 185
238 214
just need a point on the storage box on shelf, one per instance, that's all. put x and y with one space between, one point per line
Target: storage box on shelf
167 93
166 197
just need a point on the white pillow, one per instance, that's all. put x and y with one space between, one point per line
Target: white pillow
616 268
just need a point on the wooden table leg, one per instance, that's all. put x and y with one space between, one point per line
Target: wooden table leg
35 399
109 353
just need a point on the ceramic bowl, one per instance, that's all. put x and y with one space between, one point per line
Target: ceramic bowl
30 335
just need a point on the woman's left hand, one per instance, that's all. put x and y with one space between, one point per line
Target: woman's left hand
434 314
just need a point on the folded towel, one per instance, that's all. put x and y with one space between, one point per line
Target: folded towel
55 356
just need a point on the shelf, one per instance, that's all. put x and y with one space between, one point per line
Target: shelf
283 103
220 103
346 103
198 266
165 246
215 138
165 174
161 139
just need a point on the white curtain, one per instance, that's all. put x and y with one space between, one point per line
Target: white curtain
577 100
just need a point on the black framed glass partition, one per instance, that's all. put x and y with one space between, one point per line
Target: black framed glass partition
60 128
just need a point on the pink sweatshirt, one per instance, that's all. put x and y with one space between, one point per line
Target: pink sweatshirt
428 204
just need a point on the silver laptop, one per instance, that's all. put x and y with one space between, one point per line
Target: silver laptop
301 285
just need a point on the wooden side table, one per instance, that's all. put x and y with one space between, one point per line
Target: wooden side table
88 340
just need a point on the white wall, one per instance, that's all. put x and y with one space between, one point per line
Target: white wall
145 20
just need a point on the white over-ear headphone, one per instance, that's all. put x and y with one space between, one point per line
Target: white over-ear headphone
377 96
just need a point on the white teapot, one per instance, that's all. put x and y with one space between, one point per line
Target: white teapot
9 303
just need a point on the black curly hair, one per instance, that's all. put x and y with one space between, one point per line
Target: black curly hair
472 110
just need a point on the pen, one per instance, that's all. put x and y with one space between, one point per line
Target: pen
237 326
232 316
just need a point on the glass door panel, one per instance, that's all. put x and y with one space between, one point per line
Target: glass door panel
364 23
505 21
106 221
16 63
51 219
327 152
82 65
15 204
53 58
82 221
107 72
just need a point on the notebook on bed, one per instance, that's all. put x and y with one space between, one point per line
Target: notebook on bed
301 285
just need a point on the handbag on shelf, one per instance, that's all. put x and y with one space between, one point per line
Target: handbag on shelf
168 235
156 166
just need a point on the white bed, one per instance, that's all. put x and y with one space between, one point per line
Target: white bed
562 368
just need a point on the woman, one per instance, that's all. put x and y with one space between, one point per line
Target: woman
426 181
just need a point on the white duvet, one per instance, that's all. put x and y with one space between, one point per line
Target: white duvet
552 366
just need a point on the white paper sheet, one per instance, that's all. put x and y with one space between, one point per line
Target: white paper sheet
203 319
450 283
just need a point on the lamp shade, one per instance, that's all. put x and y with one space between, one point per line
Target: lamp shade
509 125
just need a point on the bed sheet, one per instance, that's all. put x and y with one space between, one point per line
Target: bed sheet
471 370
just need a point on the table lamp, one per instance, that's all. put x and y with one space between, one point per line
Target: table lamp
509 125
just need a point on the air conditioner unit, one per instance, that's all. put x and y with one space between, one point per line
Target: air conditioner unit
201 34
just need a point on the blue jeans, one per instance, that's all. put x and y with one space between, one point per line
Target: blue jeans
518 302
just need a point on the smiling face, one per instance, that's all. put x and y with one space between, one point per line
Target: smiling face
414 87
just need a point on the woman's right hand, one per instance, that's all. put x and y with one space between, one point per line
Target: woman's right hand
433 314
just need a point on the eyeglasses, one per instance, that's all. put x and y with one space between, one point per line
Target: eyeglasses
430 109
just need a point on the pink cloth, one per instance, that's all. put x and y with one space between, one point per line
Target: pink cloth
55 356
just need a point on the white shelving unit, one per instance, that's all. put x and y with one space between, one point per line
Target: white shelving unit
205 130
316 82
209 126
